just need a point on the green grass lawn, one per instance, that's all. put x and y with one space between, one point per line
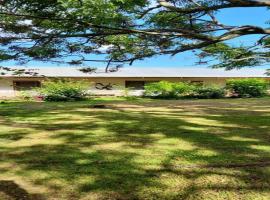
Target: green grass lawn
140 149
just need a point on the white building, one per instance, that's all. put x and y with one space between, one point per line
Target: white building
112 83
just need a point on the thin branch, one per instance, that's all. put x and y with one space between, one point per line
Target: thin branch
233 4
149 10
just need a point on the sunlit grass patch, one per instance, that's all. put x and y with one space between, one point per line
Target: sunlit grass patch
136 149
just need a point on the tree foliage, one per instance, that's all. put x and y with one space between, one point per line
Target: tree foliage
127 30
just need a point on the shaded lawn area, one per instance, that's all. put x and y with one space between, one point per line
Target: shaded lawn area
143 149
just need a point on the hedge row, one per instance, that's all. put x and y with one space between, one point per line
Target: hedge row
234 88
67 90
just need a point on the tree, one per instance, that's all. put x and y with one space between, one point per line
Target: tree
127 30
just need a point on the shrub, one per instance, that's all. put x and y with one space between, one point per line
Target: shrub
208 92
63 90
127 94
30 95
165 89
3 102
247 87
26 95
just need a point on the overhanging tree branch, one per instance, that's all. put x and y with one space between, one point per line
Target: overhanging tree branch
132 29
230 4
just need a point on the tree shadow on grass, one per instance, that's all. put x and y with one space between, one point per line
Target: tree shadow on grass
11 190
90 162
106 171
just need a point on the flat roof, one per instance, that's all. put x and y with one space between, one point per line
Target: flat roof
136 72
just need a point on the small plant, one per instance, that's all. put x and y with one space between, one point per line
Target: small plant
127 94
26 95
64 90
247 87
208 92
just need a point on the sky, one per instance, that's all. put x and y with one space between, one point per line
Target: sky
236 16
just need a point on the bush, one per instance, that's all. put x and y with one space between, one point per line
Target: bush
64 90
247 87
165 89
3 102
26 95
208 92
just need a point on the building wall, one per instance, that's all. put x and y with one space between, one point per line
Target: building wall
7 88
120 82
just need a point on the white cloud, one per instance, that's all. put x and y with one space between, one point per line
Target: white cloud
26 22
153 3
105 47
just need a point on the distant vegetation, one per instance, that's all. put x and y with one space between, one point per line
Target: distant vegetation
234 88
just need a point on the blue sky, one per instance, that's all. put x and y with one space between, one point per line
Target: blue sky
237 16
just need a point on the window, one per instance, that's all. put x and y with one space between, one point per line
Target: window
137 85
25 85
199 83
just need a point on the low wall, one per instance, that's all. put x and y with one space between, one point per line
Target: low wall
116 92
